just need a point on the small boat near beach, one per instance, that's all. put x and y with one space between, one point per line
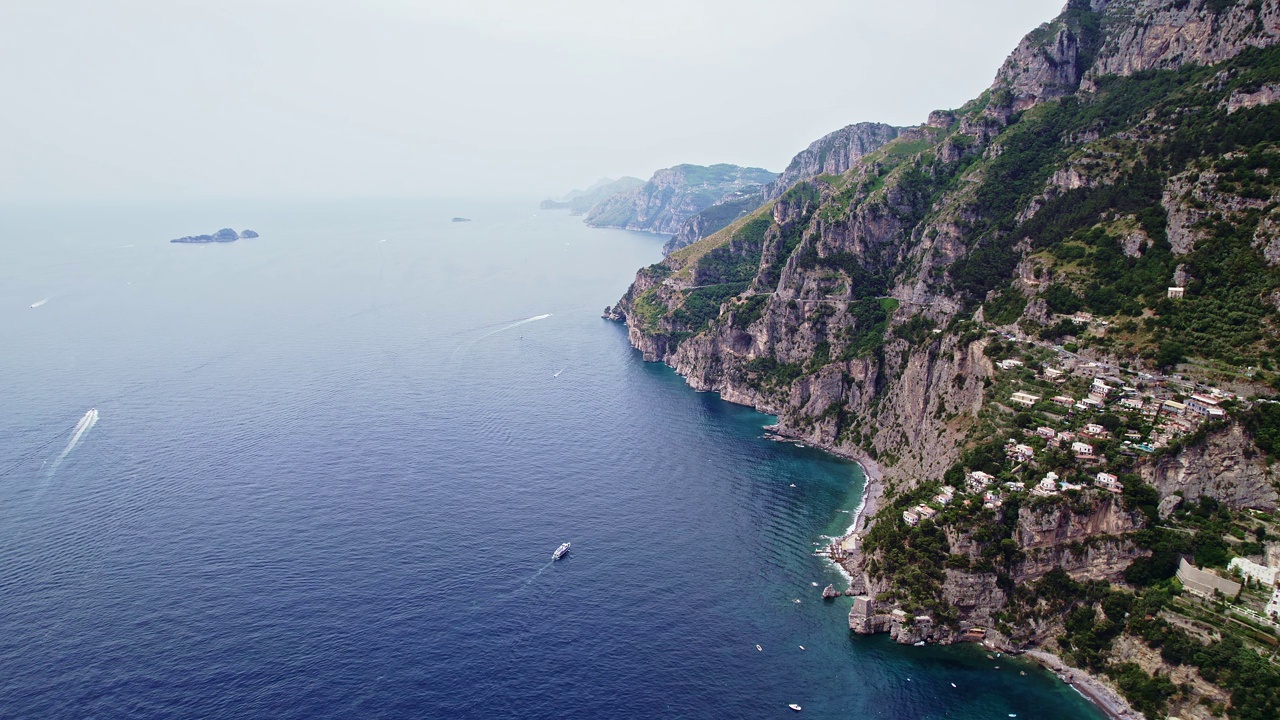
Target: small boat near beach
560 552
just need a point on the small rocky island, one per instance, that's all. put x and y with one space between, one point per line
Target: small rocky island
225 235
461 219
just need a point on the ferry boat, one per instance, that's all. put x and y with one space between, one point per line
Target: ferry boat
560 552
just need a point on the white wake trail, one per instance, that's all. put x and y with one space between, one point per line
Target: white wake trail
504 328
83 426
38 303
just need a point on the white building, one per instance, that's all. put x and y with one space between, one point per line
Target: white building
1010 364
1047 486
910 517
1022 452
945 495
1025 399
978 481
1254 571
1110 482
1205 405
1053 373
1177 293
1273 607
1080 449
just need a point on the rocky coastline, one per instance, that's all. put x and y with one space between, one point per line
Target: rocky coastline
844 553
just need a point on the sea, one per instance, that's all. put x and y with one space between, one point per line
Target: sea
321 473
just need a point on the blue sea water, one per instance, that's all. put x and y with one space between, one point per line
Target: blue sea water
331 463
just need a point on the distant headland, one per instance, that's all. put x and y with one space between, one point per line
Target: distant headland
461 219
225 235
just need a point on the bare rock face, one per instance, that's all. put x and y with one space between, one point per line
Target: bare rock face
1265 95
674 195
1158 34
1226 467
833 154
1060 525
1045 66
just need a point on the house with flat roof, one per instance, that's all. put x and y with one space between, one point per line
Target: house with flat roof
1205 405
1204 584
1108 482
1251 570
1024 399
978 481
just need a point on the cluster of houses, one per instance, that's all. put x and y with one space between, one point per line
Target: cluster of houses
984 484
1170 418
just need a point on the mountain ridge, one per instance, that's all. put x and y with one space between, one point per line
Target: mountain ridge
905 312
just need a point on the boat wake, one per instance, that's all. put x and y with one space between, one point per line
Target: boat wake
504 328
82 427
38 303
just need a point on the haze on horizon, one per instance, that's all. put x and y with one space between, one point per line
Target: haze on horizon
150 99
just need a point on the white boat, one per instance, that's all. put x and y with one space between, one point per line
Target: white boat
560 552
795 707
759 648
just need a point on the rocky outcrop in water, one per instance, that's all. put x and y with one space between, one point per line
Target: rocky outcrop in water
225 235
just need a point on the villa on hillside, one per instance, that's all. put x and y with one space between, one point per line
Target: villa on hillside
1025 399
1253 571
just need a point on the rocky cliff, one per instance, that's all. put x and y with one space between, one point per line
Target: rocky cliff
1109 207
580 202
1226 465
847 304
673 195
833 154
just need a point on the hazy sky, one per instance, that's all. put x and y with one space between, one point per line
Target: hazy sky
132 99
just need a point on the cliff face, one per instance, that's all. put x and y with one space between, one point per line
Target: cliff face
833 154
714 218
847 304
579 202
674 195
1088 545
1226 466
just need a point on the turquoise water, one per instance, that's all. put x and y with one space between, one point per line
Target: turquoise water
330 465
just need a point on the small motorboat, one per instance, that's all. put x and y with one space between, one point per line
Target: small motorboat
759 648
801 647
560 552
795 707
920 644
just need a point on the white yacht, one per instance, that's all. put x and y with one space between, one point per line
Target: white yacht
560 552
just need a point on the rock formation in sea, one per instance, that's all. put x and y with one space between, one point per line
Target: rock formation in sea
225 235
